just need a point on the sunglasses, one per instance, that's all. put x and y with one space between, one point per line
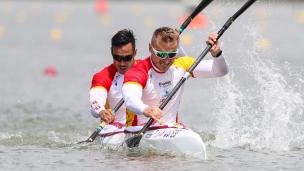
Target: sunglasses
119 58
163 55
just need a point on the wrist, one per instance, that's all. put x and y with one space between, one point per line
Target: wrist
218 54
101 113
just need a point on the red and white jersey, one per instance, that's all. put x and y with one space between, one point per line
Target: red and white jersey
105 92
145 86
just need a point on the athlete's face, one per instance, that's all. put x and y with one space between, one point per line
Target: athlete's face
123 57
162 64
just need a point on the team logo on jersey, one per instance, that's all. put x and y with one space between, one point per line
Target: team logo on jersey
165 84
115 80
150 77
162 99
166 91
95 105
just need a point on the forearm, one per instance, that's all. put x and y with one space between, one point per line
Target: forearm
132 96
217 67
98 99
220 66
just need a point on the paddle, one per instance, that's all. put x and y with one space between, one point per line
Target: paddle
134 141
197 10
102 125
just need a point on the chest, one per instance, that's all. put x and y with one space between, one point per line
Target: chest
116 85
161 84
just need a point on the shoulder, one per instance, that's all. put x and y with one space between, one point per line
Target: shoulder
142 66
139 72
104 77
138 61
184 62
107 72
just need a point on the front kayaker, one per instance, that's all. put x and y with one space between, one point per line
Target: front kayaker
148 83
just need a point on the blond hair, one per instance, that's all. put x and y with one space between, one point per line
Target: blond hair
166 34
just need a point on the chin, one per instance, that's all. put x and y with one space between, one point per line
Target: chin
122 71
165 68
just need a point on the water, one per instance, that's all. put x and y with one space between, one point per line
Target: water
251 119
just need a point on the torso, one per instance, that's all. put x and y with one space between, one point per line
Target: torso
157 86
111 80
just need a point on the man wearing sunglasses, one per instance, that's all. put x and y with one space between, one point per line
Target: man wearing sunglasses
105 92
148 83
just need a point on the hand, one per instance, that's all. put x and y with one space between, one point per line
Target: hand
216 48
177 30
107 115
153 112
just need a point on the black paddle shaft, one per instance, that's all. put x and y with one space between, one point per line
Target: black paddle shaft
197 10
234 17
197 61
100 127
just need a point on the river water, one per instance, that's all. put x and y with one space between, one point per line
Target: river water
251 119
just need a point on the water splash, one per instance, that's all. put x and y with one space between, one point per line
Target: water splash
271 117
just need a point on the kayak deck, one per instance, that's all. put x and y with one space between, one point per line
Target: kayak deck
185 141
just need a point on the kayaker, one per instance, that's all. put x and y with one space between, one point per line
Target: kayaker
105 90
106 86
148 83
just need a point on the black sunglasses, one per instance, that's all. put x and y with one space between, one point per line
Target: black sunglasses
119 58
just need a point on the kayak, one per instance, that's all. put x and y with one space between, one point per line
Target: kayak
176 139
112 136
165 138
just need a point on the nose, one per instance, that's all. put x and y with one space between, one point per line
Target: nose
167 60
122 62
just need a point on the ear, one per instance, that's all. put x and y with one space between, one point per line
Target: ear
150 48
135 52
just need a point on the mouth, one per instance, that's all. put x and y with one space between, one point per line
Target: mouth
163 64
123 68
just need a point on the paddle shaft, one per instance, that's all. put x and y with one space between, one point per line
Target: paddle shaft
197 10
197 61
102 124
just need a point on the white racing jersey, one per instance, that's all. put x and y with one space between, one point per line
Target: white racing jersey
145 86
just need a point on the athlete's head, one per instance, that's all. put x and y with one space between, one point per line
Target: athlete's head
123 50
163 47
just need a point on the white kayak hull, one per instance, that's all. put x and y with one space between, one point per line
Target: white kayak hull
173 139
167 139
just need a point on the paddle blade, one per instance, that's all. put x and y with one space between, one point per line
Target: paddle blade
93 136
86 141
134 141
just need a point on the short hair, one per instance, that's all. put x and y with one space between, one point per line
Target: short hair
123 37
166 34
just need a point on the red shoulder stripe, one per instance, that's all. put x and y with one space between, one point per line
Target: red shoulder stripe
139 72
104 77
